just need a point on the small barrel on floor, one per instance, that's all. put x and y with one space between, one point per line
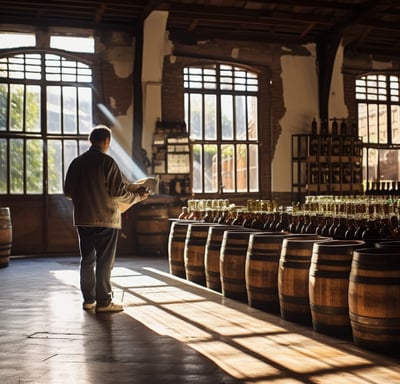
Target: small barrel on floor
232 264
195 244
5 236
374 298
329 286
293 277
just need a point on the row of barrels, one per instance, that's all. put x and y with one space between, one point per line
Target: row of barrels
339 287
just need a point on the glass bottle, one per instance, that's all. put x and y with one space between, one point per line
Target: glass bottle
314 127
341 229
312 226
371 232
184 214
343 128
326 227
351 230
293 223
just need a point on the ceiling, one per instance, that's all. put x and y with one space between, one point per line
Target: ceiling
368 26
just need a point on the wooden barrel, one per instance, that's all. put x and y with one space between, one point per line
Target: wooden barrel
261 270
293 277
195 244
329 286
176 247
5 236
212 253
152 227
374 299
232 264
393 244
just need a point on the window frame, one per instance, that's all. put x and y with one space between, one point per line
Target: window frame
71 70
376 95
229 82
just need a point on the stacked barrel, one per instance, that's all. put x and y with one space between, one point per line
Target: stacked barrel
345 288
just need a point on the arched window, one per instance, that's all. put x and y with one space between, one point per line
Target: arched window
221 111
45 116
378 101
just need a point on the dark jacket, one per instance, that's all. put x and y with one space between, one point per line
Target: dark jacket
96 186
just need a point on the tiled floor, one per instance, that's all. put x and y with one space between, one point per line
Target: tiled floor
172 331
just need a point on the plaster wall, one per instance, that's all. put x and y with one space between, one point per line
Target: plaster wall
154 47
116 88
300 94
337 106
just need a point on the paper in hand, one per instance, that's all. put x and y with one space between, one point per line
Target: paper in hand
149 184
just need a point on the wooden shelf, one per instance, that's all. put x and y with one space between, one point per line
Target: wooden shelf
171 158
326 164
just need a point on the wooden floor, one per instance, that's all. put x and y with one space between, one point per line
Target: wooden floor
172 332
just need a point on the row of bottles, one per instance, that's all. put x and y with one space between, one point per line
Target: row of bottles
334 173
337 227
334 146
337 129
341 218
383 188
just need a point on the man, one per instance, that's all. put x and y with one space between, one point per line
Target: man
97 189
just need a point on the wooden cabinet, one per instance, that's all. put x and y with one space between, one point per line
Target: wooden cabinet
326 165
171 158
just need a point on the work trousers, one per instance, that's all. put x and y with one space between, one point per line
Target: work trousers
97 248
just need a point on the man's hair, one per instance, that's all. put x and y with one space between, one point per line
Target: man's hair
99 134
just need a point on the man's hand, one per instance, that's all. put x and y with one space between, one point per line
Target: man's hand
143 192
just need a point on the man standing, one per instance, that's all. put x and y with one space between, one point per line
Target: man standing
97 189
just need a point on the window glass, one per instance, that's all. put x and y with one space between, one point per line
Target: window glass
15 40
228 163
16 107
253 168
389 164
70 152
382 124
54 165
196 116
33 108
53 109
227 117
241 118
16 166
3 106
210 117
69 109
395 117
210 168
73 43
85 110
252 119
34 166
197 168
3 166
241 167
373 123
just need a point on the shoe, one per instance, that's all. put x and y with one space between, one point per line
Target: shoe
112 307
88 306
